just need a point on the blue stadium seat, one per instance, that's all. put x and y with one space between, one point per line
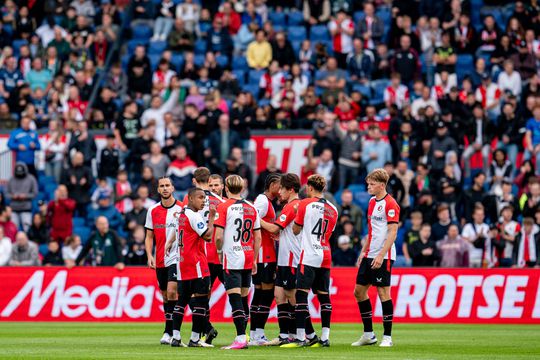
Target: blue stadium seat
157 47
295 18
177 61
198 60
239 62
279 28
362 89
240 76
362 199
222 60
17 45
464 66
141 32
378 87
277 18
79 222
357 16
297 33
319 33
44 180
125 61
200 47
296 45
252 88
132 44
255 76
83 231
386 16
154 60
50 189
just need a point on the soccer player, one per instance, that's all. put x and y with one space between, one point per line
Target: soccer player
376 258
201 178
193 272
266 263
287 259
160 225
215 183
315 220
238 238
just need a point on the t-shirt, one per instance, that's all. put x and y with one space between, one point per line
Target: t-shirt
163 222
381 213
239 220
11 79
289 244
318 218
192 263
534 127
129 129
264 206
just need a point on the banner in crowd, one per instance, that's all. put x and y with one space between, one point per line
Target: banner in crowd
420 295
290 151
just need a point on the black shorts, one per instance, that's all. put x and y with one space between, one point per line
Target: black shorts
379 277
266 273
216 272
236 279
166 275
186 288
316 279
286 277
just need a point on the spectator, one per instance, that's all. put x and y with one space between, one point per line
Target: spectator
22 189
5 248
331 71
60 212
122 193
78 179
510 129
271 168
282 51
139 73
107 210
326 166
136 255
344 255
53 257
221 141
360 62
396 93
189 12
157 161
181 170
259 52
140 151
165 20
440 146
440 229
341 29
55 148
24 142
316 11
530 201
477 234
180 39
71 249
524 62
370 27
423 251
412 235
38 231
38 77
137 215
376 152
406 61
10 229
82 141
479 139
117 81
158 110
509 79
453 249
350 156
348 210
104 247
143 12
218 39
24 252
143 192
231 19
109 160
500 169
527 246
509 229
532 137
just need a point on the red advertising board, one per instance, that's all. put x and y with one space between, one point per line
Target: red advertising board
290 150
420 295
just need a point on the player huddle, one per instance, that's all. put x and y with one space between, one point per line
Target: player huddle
206 237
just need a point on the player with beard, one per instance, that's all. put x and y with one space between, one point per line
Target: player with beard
215 183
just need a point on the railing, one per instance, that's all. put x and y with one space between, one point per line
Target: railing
7 162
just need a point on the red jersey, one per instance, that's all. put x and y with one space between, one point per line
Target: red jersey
266 211
164 223
318 218
239 219
192 262
381 213
289 244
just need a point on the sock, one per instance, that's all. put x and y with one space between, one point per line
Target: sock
388 316
245 305
310 331
267 297
240 338
178 318
168 306
195 336
325 335
283 319
254 311
238 313
302 312
366 314
208 325
198 309
326 309
292 319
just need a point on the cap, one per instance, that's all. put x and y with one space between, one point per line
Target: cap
441 124
103 196
343 239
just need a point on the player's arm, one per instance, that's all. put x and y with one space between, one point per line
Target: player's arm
170 242
207 236
300 210
270 227
149 244
390 239
256 249
218 237
362 253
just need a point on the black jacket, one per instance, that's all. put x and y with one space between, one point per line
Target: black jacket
79 192
515 251
109 163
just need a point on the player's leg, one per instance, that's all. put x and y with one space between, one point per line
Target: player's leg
245 286
254 308
161 275
291 305
267 297
363 282
198 305
384 273
172 294
216 272
233 286
305 277
184 289
283 316
322 286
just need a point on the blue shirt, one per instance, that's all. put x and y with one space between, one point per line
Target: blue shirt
10 79
533 126
39 79
24 137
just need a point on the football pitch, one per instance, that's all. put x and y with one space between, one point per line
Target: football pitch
141 341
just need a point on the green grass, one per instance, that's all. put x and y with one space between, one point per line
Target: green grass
141 341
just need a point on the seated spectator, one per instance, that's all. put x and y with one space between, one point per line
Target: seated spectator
509 79
376 152
137 215
24 252
440 229
231 19
530 200
189 12
107 210
526 252
218 39
445 56
38 231
423 251
5 248
489 36
360 62
396 93
143 12
53 257
122 193
259 52
164 21
509 230
181 170
143 192
221 141
500 170
453 249
22 188
344 255
331 70
349 211
71 249
510 132
24 142
532 138
479 139
136 255
503 52
524 62
282 51
441 144
427 99
180 39
103 248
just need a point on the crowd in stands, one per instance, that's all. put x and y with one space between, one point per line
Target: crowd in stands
445 95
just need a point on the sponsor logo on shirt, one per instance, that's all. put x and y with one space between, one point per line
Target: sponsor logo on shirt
200 225
283 217
392 213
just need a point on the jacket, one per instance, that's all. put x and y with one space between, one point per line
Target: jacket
116 222
105 249
26 187
27 255
377 29
181 173
79 192
24 137
362 68
516 249
444 144
60 218
214 142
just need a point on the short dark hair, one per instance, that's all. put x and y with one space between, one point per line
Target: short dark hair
201 175
317 182
270 179
290 181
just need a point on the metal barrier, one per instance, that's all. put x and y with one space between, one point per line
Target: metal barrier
7 162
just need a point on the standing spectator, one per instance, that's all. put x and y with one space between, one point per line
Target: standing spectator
396 93
158 109
440 146
423 251
71 249
10 229
479 136
350 211
108 211
140 151
38 77
22 188
55 148
117 81
60 212
510 130
370 27
376 152
489 95
221 141
189 12
259 52
477 234
180 39
24 142
181 170
109 162
136 255
360 62
453 249
509 79
139 73
38 231
344 255
78 179
316 11
5 248
532 138
53 257
341 28
350 156
24 252
143 12
412 235
157 160
530 201
524 62
526 252
164 21
231 19
509 230
218 40
82 141
282 51
104 247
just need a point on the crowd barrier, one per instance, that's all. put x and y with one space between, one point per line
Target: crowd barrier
421 295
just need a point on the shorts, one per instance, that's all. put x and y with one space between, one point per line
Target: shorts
216 272
186 288
236 279
286 277
377 277
166 275
266 273
316 279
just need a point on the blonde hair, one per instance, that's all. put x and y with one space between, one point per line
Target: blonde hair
378 175
235 184
317 182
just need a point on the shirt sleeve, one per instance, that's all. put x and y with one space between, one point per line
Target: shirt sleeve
257 225
197 222
261 205
149 223
392 212
221 216
286 217
299 219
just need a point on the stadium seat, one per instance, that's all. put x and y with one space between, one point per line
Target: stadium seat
132 44
50 188
277 18
464 66
222 60
177 61
362 89
79 222
251 88
378 87
200 47
296 45
124 60
319 33
17 45
83 231
157 47
357 16
362 199
239 62
141 32
279 28
240 76
154 60
295 18
386 16
297 33
199 60
44 180
254 76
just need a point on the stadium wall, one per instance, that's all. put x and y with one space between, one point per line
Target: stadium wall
433 295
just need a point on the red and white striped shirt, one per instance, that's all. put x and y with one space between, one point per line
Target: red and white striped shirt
399 96
192 263
488 96
272 83
264 206
381 213
342 41
163 222
289 244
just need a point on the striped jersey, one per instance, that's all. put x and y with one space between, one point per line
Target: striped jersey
381 213
289 244
163 222
266 211
192 263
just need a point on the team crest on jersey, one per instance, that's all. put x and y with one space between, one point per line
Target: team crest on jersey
200 225
283 217
379 208
392 213
217 216
176 214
